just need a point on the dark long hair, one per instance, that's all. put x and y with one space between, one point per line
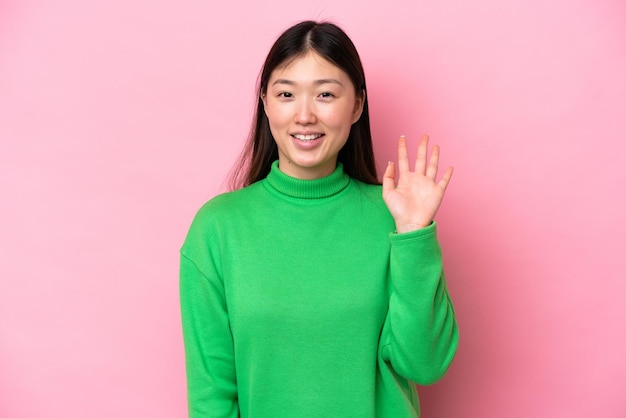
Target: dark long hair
331 43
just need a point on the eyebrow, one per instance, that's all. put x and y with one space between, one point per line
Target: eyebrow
316 82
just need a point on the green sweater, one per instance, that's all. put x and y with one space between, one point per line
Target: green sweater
299 300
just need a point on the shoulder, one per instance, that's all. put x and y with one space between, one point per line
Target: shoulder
370 201
221 208
369 192
228 203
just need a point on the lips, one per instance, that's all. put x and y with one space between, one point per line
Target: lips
308 137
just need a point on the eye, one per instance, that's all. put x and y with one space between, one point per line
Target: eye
285 95
327 95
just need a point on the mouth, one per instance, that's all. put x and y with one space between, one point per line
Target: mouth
307 138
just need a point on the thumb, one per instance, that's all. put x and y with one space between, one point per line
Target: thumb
389 178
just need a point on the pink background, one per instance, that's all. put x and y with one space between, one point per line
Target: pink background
119 119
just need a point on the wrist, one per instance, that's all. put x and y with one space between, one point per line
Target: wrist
403 228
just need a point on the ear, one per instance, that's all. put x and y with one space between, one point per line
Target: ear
263 98
359 103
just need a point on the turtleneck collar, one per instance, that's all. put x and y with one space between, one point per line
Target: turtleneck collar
307 189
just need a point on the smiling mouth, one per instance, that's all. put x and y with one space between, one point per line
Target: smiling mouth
307 138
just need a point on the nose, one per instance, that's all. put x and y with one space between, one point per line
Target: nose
305 113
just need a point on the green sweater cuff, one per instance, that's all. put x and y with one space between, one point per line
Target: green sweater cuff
430 230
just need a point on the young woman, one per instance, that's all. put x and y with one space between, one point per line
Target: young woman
312 290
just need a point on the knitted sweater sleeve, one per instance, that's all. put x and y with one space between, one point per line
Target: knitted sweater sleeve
209 353
420 335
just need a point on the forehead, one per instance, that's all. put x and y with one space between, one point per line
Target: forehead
308 67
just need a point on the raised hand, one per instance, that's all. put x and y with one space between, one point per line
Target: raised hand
414 201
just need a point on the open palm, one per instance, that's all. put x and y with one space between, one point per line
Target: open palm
413 197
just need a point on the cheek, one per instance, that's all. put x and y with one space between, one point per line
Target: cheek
275 116
339 118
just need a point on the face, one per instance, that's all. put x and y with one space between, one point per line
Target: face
311 105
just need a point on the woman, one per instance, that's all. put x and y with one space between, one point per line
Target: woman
313 291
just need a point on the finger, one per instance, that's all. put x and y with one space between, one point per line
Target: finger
445 180
403 155
433 163
389 178
422 151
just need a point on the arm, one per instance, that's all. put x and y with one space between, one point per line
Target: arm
420 336
210 364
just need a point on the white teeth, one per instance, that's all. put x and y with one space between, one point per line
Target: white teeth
307 137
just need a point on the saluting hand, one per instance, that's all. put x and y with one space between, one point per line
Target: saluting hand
414 201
